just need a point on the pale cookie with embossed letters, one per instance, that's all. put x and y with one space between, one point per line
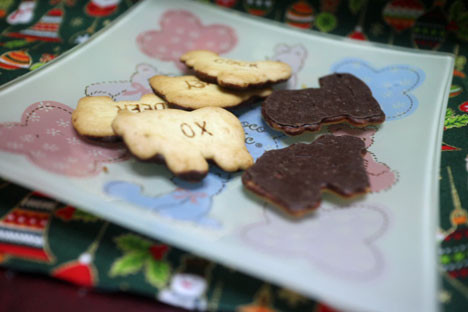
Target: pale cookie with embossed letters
93 116
186 140
189 92
235 74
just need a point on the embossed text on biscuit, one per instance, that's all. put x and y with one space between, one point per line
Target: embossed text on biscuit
186 139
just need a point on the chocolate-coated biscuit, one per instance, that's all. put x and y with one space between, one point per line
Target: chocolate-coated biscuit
293 178
340 98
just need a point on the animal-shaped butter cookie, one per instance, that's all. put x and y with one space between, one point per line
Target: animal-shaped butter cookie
186 140
93 116
235 74
189 92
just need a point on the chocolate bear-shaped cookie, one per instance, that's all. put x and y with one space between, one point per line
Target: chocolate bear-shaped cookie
295 177
340 98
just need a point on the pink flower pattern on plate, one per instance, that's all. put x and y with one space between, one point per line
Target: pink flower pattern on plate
46 137
180 32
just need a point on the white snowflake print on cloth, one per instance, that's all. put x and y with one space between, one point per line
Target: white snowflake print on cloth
63 123
45 107
50 147
53 132
27 138
15 145
73 141
34 117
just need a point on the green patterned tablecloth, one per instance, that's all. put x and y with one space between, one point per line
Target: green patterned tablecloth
78 247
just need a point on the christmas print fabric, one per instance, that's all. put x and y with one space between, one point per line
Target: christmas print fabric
39 234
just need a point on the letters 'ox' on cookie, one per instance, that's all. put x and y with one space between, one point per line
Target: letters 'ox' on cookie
186 140
392 85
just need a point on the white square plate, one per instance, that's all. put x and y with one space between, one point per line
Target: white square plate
377 253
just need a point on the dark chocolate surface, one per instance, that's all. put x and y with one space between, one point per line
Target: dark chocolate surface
294 177
341 97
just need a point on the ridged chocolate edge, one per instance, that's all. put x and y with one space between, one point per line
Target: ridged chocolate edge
296 130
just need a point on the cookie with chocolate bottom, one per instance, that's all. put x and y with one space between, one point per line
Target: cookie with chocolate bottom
340 98
189 92
235 74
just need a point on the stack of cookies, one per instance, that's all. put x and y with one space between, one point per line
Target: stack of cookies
185 123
